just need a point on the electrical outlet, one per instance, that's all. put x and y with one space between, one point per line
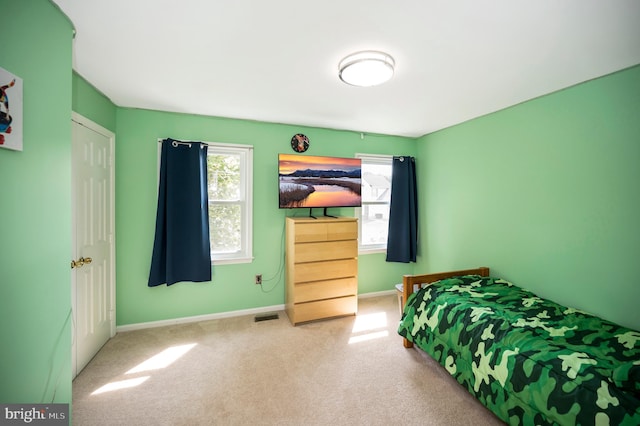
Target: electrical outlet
259 279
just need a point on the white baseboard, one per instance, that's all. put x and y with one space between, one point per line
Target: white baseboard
376 294
220 315
198 318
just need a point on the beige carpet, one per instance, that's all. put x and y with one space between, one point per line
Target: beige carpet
345 371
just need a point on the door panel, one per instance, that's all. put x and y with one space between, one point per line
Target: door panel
92 280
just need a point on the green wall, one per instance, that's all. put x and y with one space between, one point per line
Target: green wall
92 104
545 193
35 209
232 287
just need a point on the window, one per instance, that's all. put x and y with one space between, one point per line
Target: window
376 197
229 176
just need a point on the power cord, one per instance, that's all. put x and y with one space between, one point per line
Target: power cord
51 360
279 273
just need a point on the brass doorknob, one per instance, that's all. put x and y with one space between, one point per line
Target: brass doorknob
82 261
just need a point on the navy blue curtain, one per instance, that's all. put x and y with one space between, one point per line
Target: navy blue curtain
181 250
402 242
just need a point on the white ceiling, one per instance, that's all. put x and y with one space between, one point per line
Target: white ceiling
276 61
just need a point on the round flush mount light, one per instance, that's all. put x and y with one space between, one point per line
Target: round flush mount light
367 68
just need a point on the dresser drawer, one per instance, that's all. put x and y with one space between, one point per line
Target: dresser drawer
326 231
310 252
326 308
342 231
309 232
319 290
321 271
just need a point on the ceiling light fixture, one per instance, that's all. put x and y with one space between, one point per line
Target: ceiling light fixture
367 68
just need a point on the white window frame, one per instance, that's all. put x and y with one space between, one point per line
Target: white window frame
371 248
245 255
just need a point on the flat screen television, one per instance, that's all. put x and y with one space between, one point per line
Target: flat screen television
307 181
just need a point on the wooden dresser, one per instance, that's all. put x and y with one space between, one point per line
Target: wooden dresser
321 268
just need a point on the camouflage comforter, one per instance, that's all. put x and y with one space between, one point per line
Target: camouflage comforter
529 360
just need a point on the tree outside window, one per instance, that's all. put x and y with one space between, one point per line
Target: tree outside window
229 190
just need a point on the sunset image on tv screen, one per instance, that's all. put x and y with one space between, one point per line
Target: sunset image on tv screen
315 181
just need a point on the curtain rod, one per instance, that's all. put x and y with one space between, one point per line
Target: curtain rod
175 142
217 144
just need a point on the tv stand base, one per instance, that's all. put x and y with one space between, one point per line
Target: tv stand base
324 213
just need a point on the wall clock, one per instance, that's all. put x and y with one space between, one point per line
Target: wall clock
299 142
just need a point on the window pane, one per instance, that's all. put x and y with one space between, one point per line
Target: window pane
376 196
375 224
223 175
224 228
376 182
229 179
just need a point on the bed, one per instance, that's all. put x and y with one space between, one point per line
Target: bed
527 359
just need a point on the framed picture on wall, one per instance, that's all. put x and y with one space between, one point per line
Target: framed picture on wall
10 111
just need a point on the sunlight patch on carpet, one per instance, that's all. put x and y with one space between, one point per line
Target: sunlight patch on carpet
369 322
369 327
122 384
163 359
368 336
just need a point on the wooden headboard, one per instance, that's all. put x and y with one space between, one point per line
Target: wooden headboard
409 281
